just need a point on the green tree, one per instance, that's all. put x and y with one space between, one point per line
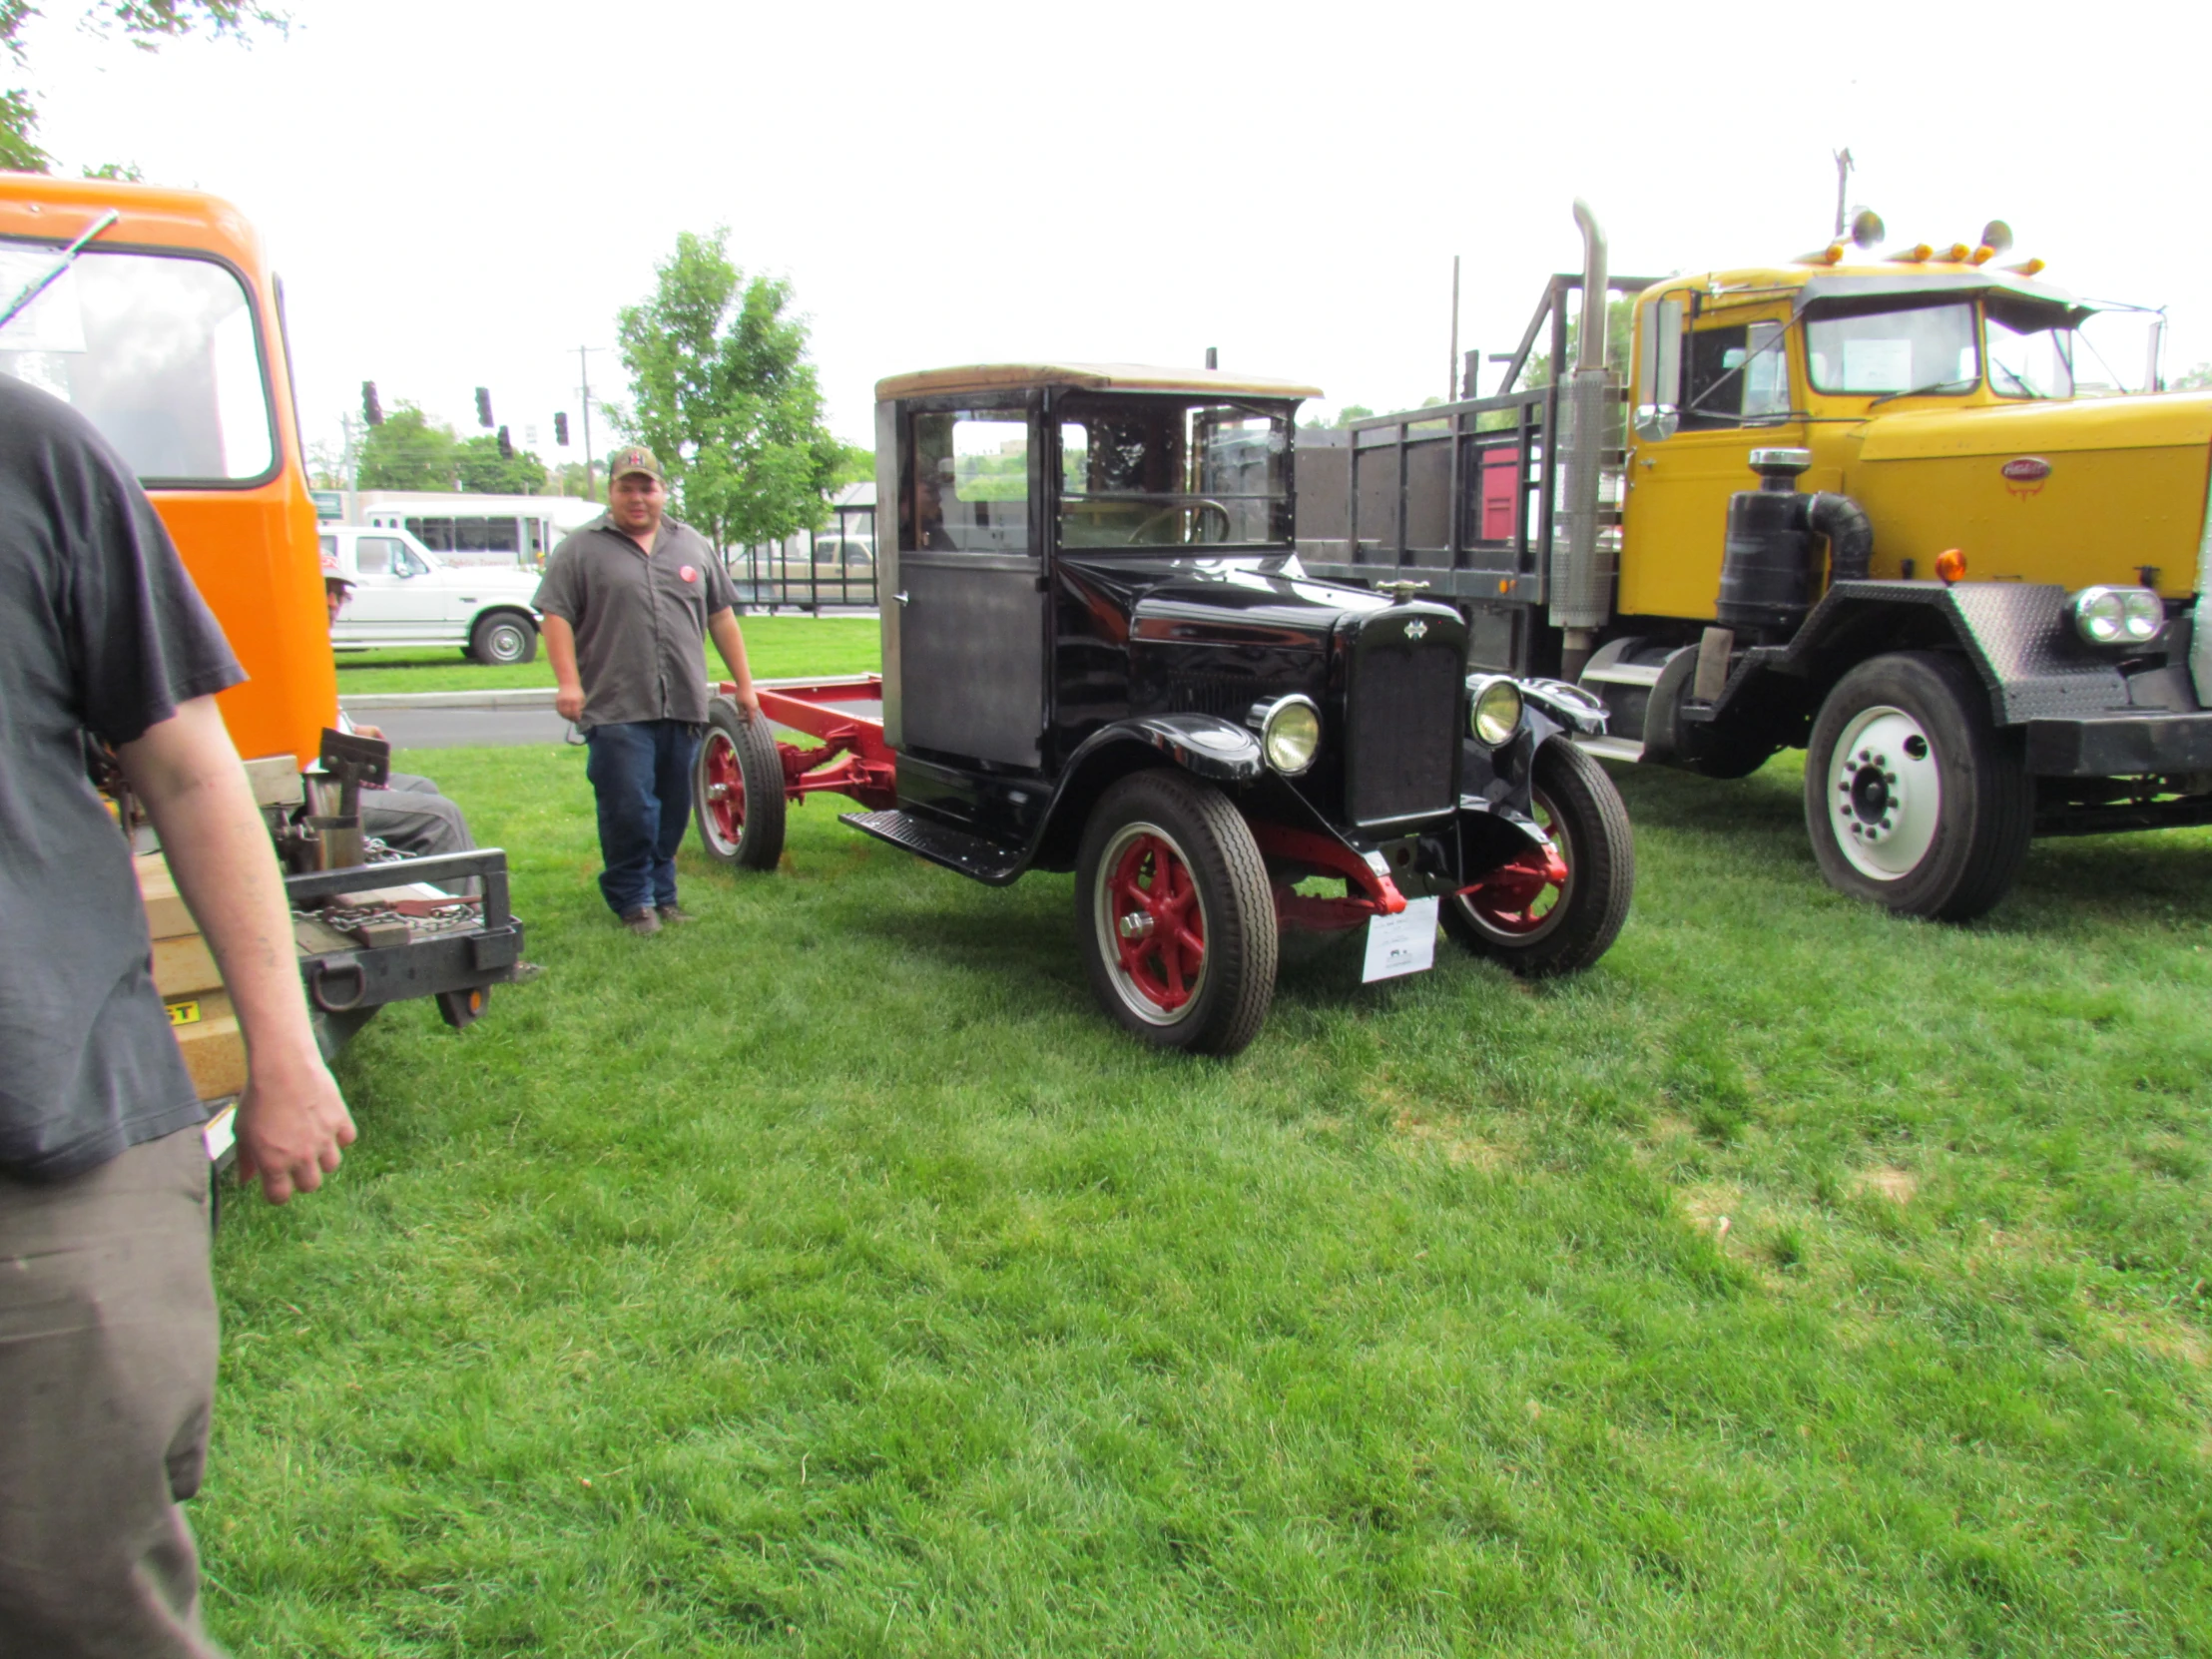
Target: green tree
484 471
144 23
2198 379
722 391
856 465
409 453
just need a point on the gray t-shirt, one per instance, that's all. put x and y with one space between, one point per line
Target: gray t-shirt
99 630
641 622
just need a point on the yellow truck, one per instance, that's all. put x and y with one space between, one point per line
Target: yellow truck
1851 502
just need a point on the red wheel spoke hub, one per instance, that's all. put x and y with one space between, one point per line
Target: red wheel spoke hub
1159 930
726 787
1506 898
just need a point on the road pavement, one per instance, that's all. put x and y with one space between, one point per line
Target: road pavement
453 719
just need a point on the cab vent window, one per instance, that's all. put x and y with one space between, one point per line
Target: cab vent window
1736 376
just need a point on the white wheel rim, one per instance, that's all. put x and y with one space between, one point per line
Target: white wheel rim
1884 794
506 643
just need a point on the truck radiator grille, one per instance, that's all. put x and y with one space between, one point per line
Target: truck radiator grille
1402 701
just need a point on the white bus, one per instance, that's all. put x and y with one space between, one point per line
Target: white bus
479 529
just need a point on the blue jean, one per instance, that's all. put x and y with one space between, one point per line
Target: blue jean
641 774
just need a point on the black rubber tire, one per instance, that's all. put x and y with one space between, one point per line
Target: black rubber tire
739 751
1588 822
1234 981
503 639
1985 812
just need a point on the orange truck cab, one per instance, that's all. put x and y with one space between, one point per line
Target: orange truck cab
155 314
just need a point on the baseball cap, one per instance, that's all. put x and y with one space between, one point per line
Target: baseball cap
332 573
636 458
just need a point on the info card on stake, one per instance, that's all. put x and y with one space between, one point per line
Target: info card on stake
1403 943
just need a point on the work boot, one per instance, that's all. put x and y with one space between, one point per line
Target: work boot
676 912
644 921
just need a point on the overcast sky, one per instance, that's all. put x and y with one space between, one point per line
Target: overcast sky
462 193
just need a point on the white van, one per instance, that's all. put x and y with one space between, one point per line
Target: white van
404 594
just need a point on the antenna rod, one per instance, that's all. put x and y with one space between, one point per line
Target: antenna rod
1452 369
1842 177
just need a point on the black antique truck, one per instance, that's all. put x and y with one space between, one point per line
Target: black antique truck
1102 655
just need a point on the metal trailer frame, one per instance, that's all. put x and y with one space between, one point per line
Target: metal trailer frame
1499 581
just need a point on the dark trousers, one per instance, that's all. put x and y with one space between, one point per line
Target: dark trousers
641 774
107 1379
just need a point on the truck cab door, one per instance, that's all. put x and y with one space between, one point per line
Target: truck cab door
1738 393
965 610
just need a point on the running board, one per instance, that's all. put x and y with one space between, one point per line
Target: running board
1611 748
972 856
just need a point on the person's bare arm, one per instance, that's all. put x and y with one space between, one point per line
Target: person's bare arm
290 1120
560 647
730 641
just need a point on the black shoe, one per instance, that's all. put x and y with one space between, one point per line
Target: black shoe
676 913
644 923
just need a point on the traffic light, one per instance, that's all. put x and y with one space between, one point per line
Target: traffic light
483 406
371 410
506 445
560 428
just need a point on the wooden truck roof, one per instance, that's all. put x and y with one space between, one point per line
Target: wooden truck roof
981 378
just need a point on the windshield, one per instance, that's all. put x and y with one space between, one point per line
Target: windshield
1923 348
158 351
1171 472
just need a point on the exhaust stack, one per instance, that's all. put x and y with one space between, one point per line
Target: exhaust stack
1581 573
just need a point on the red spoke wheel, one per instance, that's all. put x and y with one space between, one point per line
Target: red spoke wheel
738 789
1539 916
1175 915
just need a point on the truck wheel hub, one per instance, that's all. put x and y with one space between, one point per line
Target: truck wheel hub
1885 793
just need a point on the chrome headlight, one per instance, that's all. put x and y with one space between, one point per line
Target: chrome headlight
1290 732
1494 709
2118 616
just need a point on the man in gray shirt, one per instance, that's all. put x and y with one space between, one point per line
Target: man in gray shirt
628 601
107 1308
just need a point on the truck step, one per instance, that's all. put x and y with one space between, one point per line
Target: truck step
971 855
1611 748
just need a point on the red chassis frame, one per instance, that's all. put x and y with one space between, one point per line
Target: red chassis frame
853 760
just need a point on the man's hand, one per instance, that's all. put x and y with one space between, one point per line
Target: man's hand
750 700
290 1126
376 732
560 647
569 702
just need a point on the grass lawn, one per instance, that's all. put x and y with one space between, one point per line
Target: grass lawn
777 647
829 1278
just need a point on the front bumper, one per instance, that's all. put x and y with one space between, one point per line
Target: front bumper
2124 745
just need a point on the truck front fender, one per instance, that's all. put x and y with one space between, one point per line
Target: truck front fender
2014 634
1206 746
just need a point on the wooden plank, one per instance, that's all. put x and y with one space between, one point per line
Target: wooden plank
166 915
183 965
214 1055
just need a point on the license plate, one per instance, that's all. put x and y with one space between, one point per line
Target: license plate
1403 943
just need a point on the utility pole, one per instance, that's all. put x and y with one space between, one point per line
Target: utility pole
1451 373
1843 183
591 464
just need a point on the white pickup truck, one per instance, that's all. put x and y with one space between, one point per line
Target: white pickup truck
403 594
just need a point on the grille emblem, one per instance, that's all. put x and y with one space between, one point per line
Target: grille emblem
1416 628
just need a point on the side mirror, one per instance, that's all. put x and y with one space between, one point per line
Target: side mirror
1659 371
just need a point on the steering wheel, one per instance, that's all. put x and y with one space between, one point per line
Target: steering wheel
1207 504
